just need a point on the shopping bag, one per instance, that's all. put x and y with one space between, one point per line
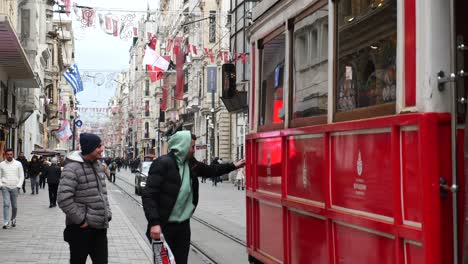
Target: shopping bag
162 254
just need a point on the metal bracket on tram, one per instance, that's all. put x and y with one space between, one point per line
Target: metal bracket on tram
442 79
445 189
462 47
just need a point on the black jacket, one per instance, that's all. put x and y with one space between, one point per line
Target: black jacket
163 185
34 168
52 173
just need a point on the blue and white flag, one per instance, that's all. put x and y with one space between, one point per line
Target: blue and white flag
72 75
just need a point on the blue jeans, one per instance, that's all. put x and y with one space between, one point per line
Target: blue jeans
34 183
9 199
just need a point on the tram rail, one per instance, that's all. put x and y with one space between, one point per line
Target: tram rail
196 248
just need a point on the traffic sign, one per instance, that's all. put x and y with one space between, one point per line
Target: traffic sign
78 123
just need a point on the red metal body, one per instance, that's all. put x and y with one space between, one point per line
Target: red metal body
363 191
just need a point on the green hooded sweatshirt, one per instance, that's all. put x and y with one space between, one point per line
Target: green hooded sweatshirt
183 209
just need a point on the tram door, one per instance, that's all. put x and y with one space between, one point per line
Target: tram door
461 96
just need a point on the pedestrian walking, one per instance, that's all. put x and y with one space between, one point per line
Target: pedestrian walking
35 170
240 177
216 160
82 196
11 180
52 174
25 164
42 179
171 193
112 171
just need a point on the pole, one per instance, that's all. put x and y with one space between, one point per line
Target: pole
213 122
73 134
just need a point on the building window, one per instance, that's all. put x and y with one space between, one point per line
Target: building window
272 75
146 130
212 27
25 23
310 65
366 57
147 88
147 108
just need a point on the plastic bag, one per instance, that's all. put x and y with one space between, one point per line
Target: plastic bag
162 253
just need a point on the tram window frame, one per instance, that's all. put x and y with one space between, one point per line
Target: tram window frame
262 100
314 119
376 110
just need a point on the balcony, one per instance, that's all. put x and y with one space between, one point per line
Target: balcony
13 59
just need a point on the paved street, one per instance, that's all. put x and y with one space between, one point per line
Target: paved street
38 236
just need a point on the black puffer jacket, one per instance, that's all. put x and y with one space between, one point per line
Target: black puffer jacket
164 181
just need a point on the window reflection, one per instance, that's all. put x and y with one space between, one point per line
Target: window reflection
311 65
272 76
366 51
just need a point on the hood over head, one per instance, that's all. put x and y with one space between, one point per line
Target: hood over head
179 144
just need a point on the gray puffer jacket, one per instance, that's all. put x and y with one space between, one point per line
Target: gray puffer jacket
82 195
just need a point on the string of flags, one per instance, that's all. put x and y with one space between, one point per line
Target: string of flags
125 26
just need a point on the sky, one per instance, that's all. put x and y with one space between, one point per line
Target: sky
97 54
95 50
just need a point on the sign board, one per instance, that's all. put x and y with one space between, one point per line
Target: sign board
78 123
212 72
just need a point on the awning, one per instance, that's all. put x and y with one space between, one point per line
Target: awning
13 59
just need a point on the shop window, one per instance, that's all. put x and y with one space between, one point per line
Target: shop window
366 57
272 80
310 65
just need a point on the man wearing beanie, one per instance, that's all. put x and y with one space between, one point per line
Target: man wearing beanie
82 196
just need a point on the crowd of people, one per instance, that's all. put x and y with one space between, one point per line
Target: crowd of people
78 185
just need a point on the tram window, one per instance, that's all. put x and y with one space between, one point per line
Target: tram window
366 55
310 93
272 81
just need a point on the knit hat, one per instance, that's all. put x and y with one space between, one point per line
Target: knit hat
89 142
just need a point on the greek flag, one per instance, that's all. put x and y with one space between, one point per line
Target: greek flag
72 75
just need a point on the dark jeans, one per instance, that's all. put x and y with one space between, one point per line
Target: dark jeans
177 236
112 176
53 187
42 181
84 242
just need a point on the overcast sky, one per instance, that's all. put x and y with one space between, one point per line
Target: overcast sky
96 50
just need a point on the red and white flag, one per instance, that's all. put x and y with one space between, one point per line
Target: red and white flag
155 60
194 48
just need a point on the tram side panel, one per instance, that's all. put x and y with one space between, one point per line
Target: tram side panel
351 194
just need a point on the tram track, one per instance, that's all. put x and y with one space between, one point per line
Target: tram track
195 247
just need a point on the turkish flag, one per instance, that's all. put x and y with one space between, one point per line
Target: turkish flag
194 48
179 93
211 55
169 45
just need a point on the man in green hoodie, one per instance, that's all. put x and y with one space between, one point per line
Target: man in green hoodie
171 193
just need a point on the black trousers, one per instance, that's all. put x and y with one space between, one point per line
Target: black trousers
84 242
42 181
112 176
177 236
53 187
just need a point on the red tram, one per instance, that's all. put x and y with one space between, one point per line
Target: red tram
355 151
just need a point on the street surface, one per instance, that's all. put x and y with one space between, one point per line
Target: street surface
38 236
221 206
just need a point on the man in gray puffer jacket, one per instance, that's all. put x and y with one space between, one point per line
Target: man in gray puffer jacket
82 196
